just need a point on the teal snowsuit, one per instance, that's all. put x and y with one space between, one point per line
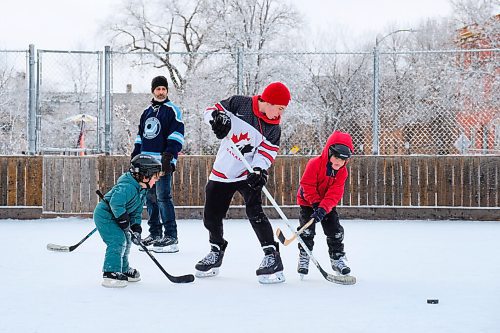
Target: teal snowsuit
126 196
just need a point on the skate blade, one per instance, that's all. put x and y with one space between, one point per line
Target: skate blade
277 277
131 279
111 283
209 273
165 249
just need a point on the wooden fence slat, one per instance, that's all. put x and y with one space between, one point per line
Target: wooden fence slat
21 181
467 184
34 181
406 182
414 190
398 181
388 172
354 184
379 183
483 183
458 172
3 182
475 182
371 182
12 181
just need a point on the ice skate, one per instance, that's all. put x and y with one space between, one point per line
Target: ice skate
303 264
132 275
271 267
339 264
166 245
209 266
114 280
148 242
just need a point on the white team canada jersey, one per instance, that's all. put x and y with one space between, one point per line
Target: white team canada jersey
257 140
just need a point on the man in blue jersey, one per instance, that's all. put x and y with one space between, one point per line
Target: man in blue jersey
161 134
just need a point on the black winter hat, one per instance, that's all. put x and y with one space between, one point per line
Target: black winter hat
159 81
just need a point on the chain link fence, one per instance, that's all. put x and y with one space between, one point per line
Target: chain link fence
68 108
13 101
413 102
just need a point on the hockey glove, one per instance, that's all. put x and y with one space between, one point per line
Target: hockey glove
257 179
123 221
135 233
221 124
318 215
166 162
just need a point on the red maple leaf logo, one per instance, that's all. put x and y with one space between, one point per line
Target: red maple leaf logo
239 138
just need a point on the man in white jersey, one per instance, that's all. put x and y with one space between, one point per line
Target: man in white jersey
254 123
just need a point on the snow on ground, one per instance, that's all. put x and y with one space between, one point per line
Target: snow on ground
398 264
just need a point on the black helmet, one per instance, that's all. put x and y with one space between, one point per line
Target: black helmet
145 165
339 151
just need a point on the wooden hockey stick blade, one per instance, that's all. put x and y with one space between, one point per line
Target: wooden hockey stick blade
286 242
58 248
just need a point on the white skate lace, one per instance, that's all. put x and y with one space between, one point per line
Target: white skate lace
210 258
268 261
339 263
303 260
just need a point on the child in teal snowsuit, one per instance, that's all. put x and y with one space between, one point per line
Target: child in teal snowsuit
120 214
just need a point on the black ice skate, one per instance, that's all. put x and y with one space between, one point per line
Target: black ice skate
132 275
209 266
149 241
271 267
339 264
166 245
303 265
114 280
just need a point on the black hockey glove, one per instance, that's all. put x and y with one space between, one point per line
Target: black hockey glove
123 221
257 179
318 215
221 124
166 162
135 233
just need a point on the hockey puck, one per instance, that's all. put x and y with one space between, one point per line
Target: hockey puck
432 301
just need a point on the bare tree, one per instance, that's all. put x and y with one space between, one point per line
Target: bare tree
161 27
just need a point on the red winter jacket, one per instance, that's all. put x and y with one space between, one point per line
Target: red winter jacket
316 185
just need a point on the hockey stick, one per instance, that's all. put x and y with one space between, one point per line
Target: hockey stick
175 279
287 242
65 248
340 279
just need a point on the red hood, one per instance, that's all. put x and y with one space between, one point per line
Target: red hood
337 137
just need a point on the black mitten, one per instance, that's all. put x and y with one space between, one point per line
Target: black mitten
135 233
123 221
318 215
221 124
166 162
257 179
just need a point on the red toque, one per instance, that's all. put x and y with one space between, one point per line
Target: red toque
276 93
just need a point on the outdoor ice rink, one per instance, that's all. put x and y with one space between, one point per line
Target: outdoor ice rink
398 265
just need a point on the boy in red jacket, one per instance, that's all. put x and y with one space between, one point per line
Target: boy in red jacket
321 189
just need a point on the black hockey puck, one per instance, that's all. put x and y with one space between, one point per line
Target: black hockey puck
432 301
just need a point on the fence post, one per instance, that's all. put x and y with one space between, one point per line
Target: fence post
31 101
107 101
375 114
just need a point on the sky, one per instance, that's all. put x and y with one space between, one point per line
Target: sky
63 24
398 266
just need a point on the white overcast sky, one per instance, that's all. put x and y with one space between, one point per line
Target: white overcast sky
68 24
